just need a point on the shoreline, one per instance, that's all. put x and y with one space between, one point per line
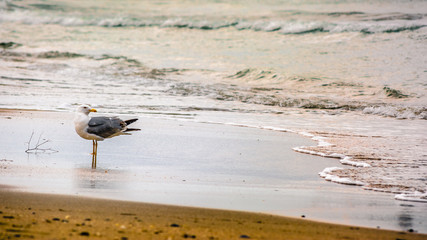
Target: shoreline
324 145
42 216
112 183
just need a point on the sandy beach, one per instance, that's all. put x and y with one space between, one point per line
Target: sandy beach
42 216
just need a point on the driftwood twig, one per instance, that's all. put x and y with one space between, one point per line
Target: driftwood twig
37 147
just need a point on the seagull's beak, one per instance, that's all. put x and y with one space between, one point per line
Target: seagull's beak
92 110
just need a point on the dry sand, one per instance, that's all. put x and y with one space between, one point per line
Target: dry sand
42 216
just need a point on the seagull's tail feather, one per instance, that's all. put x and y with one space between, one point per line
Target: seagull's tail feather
132 129
130 121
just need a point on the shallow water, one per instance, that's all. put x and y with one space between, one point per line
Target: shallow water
351 73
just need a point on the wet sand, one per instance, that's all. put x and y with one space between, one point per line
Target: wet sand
42 216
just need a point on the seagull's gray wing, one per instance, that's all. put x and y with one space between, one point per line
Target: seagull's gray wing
106 126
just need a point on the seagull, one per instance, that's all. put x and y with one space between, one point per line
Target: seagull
99 128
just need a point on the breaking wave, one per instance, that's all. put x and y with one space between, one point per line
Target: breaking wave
283 26
298 27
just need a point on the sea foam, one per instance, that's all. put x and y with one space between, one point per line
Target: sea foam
413 197
327 173
328 176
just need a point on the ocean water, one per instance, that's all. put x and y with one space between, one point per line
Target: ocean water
352 75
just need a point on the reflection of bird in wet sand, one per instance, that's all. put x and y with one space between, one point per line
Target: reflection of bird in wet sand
99 128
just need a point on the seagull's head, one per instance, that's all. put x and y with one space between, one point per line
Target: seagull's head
85 109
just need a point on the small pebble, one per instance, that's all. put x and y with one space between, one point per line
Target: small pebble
185 235
174 225
84 234
56 219
244 236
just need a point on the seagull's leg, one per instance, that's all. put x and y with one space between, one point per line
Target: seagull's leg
93 161
93 155
93 147
96 151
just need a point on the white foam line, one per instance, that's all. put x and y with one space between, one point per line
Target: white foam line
328 170
413 197
347 161
336 155
277 129
403 196
326 174
306 134
303 150
319 139
385 190
321 142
